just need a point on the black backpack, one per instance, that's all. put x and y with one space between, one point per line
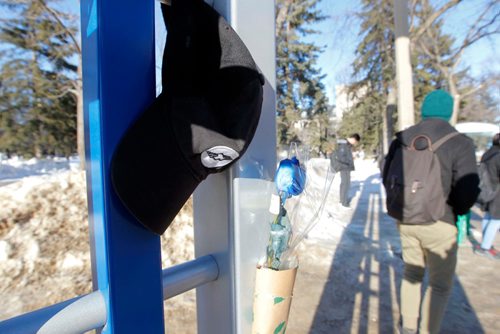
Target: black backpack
488 190
334 162
339 159
413 183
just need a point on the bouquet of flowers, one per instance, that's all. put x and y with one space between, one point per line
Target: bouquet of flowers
295 208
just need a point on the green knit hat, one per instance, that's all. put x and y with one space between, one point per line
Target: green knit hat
437 104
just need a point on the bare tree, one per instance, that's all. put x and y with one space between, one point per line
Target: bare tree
484 104
485 24
417 31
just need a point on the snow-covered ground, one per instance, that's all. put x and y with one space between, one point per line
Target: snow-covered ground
44 239
15 168
334 217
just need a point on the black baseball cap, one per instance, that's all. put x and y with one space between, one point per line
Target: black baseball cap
201 123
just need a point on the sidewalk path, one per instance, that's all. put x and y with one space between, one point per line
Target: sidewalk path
350 283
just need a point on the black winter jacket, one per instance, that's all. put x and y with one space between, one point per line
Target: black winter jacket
492 160
458 164
341 158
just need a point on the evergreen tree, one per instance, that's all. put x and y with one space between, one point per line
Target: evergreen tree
302 108
37 109
375 72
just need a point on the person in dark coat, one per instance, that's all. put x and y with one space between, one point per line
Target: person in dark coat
491 220
433 246
341 161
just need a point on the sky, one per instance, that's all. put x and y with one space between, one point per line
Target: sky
339 35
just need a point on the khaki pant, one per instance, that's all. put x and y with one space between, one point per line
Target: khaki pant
433 247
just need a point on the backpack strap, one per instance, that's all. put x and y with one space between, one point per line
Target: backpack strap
443 140
490 157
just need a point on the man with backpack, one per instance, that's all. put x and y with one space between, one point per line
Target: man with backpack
430 177
490 188
341 161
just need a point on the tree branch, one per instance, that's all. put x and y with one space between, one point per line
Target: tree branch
413 10
55 15
435 56
475 33
473 90
432 18
282 15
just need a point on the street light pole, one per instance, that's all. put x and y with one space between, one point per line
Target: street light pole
403 66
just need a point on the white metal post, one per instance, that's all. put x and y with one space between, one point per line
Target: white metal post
224 306
403 65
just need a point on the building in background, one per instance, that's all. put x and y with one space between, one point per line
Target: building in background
344 101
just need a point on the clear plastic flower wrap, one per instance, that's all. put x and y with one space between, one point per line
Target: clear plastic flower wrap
296 207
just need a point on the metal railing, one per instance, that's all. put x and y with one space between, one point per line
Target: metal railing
88 312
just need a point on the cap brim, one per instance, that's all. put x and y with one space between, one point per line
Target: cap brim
148 171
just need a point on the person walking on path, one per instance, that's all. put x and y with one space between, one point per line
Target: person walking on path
433 245
491 220
341 161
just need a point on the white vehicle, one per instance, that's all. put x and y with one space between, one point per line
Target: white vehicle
481 134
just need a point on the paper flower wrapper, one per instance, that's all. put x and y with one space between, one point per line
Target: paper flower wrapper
272 300
294 210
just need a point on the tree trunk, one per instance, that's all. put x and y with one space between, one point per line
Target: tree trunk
387 120
281 15
456 99
456 105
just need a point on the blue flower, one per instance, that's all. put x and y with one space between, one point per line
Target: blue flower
290 177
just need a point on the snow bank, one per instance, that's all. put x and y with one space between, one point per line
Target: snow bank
44 247
43 221
16 168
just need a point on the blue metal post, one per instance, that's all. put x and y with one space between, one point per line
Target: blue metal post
119 82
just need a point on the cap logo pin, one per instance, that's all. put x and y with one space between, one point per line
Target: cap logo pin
218 156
